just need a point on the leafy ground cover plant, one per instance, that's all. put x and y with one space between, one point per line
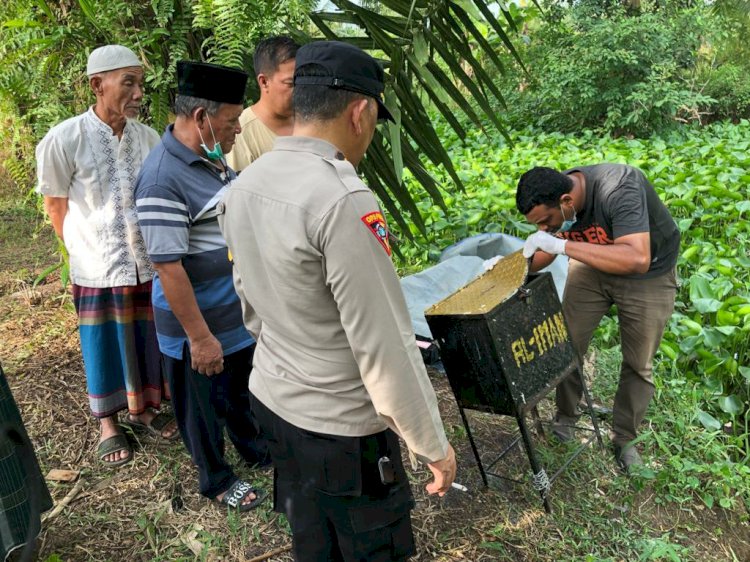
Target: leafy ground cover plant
149 514
703 176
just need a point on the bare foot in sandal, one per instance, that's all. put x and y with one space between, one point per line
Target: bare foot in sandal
109 429
242 496
160 425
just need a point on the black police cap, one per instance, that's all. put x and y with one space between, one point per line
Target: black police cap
211 82
348 68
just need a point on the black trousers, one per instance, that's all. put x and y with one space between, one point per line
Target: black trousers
204 406
329 488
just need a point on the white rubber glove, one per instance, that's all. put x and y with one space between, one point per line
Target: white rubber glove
490 263
543 241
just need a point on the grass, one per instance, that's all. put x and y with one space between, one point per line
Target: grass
151 511
27 245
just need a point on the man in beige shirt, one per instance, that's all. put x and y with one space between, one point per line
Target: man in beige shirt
272 115
337 374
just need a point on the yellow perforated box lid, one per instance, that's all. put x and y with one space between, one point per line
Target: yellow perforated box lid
492 288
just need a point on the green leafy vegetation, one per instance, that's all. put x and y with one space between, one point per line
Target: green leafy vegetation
704 362
623 73
432 51
599 69
44 46
630 68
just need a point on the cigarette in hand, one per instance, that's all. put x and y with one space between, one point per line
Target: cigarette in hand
458 486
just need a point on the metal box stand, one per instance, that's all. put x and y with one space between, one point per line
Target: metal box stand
505 346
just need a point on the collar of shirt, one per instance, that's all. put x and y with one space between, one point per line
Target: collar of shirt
177 149
309 144
189 157
91 114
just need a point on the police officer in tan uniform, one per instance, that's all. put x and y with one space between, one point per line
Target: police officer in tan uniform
337 375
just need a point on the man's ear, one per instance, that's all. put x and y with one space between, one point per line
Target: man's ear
199 114
263 81
359 109
96 84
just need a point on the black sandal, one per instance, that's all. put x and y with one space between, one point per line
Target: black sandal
237 492
114 444
155 428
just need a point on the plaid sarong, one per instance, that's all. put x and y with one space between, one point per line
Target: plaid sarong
120 351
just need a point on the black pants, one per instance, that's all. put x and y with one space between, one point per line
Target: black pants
204 406
329 488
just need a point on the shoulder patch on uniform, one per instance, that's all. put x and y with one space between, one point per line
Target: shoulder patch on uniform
376 224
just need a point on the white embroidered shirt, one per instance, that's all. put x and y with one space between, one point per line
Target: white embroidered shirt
83 160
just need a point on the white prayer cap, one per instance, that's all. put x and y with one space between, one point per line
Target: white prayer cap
110 57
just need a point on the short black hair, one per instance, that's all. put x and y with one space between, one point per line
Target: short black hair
541 186
318 102
272 52
186 105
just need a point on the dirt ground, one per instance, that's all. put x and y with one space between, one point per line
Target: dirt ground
150 509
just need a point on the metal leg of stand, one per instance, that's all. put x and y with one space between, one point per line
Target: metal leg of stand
537 422
473 447
541 482
590 406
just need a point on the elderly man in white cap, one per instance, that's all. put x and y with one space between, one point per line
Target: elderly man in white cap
86 168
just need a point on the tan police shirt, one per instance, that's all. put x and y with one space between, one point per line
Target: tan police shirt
255 139
336 352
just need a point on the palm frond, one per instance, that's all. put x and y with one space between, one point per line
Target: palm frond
438 62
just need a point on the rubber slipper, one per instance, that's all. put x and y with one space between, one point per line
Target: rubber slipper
237 492
155 428
114 444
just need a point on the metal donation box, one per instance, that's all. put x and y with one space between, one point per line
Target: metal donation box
504 344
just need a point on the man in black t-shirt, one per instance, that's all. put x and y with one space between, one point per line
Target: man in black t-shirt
623 245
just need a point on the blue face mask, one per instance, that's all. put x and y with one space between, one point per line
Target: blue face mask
567 224
217 153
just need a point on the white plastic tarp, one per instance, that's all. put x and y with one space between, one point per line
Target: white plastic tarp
459 264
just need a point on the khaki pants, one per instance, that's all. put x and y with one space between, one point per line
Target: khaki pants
643 308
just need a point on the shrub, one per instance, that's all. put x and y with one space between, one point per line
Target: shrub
729 87
44 47
624 74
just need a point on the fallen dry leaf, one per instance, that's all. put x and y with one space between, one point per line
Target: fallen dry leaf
62 475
